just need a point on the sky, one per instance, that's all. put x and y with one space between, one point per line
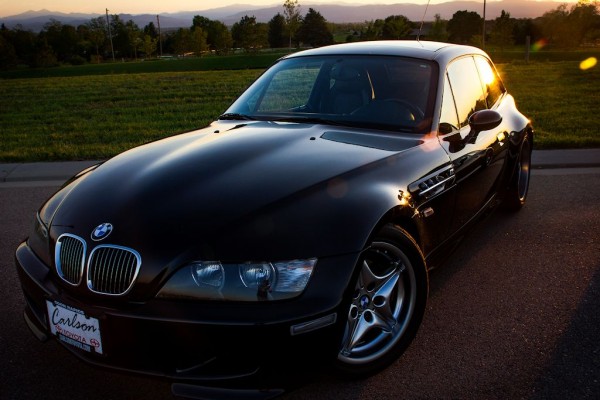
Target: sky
14 7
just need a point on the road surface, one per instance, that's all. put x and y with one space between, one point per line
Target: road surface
515 313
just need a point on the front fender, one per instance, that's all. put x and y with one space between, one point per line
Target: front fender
334 217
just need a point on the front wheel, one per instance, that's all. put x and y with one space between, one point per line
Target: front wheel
387 303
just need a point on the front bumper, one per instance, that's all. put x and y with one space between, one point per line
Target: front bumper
208 343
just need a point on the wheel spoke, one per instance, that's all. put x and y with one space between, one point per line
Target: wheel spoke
351 328
362 326
383 296
367 277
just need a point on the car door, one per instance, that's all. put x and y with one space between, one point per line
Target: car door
477 157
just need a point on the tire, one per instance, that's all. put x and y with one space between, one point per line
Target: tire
387 304
516 194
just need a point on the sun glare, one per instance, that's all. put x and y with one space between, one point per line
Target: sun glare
588 63
540 44
488 76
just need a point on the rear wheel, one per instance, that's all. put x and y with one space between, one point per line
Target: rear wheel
516 194
387 304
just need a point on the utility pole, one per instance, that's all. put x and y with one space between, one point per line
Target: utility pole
112 49
159 36
483 36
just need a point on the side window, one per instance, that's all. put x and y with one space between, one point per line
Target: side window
491 81
466 86
448 119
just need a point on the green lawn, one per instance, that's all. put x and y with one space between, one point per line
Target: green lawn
208 63
99 115
561 100
95 117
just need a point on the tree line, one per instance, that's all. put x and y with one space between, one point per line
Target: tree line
563 27
105 38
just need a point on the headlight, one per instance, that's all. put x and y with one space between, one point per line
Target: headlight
38 240
208 274
257 276
240 282
39 227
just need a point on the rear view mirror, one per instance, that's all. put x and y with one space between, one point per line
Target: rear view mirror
484 120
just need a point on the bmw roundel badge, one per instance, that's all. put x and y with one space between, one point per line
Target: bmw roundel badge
102 231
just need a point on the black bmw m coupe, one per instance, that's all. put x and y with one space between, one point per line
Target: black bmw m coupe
297 229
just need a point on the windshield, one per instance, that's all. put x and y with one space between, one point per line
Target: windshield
381 92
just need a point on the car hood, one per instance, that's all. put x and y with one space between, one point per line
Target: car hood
230 191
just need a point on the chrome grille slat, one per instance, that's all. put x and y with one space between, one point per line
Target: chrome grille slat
111 269
121 261
70 258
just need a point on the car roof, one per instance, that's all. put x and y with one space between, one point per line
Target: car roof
407 48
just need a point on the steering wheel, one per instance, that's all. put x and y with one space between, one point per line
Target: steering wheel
417 113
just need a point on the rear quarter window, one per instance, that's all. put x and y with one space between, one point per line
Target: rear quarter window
493 86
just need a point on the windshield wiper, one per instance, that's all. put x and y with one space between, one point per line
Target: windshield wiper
310 120
236 117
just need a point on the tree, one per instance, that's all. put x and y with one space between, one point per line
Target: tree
218 37
569 27
201 22
134 36
314 30
62 39
8 55
97 34
120 36
249 35
373 30
151 30
522 28
182 41
584 18
149 45
277 31
221 41
553 24
396 27
463 25
44 56
438 31
502 32
25 45
291 12
198 41
476 41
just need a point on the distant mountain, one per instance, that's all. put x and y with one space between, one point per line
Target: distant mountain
219 13
166 21
35 20
338 13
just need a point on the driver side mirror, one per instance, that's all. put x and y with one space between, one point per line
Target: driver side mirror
484 120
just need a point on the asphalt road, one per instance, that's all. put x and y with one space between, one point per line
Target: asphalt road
514 314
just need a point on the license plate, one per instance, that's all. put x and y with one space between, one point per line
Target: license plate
73 327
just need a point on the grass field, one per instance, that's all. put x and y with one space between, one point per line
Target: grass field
99 115
95 117
208 63
561 99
